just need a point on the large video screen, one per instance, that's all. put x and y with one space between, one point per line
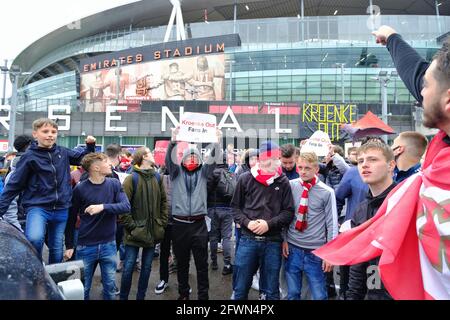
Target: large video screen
191 78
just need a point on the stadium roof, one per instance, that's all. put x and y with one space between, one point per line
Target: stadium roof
157 12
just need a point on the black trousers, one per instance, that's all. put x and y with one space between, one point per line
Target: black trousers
164 254
187 238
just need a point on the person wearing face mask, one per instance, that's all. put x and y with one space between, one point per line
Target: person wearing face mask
408 149
263 205
189 208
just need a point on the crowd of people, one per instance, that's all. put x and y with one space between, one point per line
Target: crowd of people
288 208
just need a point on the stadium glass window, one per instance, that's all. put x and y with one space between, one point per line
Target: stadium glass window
298 78
241 87
284 92
298 98
355 98
256 92
313 91
371 97
312 77
311 98
284 98
329 91
328 98
255 80
284 79
270 98
241 80
270 92
241 95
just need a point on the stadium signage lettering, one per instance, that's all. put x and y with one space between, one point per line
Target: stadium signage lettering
169 50
61 114
157 55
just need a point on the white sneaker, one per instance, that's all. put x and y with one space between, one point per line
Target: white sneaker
161 287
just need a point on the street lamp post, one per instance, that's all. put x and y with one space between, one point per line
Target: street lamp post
4 71
383 79
12 120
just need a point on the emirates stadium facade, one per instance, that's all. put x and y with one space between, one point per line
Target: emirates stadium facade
291 65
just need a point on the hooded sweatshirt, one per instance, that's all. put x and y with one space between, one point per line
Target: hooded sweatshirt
190 187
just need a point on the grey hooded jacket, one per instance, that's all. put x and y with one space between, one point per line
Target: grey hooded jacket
189 189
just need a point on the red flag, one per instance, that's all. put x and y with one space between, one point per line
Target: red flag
160 151
409 265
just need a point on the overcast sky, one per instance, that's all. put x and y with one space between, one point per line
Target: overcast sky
23 21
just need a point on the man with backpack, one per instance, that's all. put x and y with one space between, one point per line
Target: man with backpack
145 226
221 185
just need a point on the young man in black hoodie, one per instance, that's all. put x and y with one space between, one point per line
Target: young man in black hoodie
262 205
375 165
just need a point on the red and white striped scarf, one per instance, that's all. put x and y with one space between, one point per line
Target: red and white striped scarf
302 214
265 179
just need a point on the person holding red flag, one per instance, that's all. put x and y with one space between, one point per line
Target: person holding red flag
410 231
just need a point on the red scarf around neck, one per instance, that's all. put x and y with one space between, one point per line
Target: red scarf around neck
302 219
265 179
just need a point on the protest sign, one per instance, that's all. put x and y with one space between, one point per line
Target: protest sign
197 127
318 143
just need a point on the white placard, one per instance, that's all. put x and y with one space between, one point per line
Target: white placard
3 146
318 143
122 176
197 127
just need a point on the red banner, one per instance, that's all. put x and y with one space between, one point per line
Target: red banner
266 108
160 151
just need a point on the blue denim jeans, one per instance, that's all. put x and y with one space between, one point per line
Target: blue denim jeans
37 221
299 261
251 255
105 255
131 253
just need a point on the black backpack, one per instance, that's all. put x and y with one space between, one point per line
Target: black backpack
226 185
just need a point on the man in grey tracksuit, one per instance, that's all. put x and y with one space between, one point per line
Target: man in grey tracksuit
314 225
189 208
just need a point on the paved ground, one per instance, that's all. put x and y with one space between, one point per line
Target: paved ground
219 285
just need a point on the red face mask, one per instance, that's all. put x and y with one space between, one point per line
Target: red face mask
191 163
191 166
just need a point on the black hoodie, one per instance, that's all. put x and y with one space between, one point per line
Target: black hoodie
359 284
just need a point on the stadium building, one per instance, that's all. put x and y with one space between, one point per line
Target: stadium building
293 66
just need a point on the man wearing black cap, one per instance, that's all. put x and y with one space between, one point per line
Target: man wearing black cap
262 205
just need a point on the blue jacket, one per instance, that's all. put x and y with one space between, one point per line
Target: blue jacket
353 188
44 176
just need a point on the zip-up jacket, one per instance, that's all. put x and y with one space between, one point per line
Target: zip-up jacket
44 176
253 200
